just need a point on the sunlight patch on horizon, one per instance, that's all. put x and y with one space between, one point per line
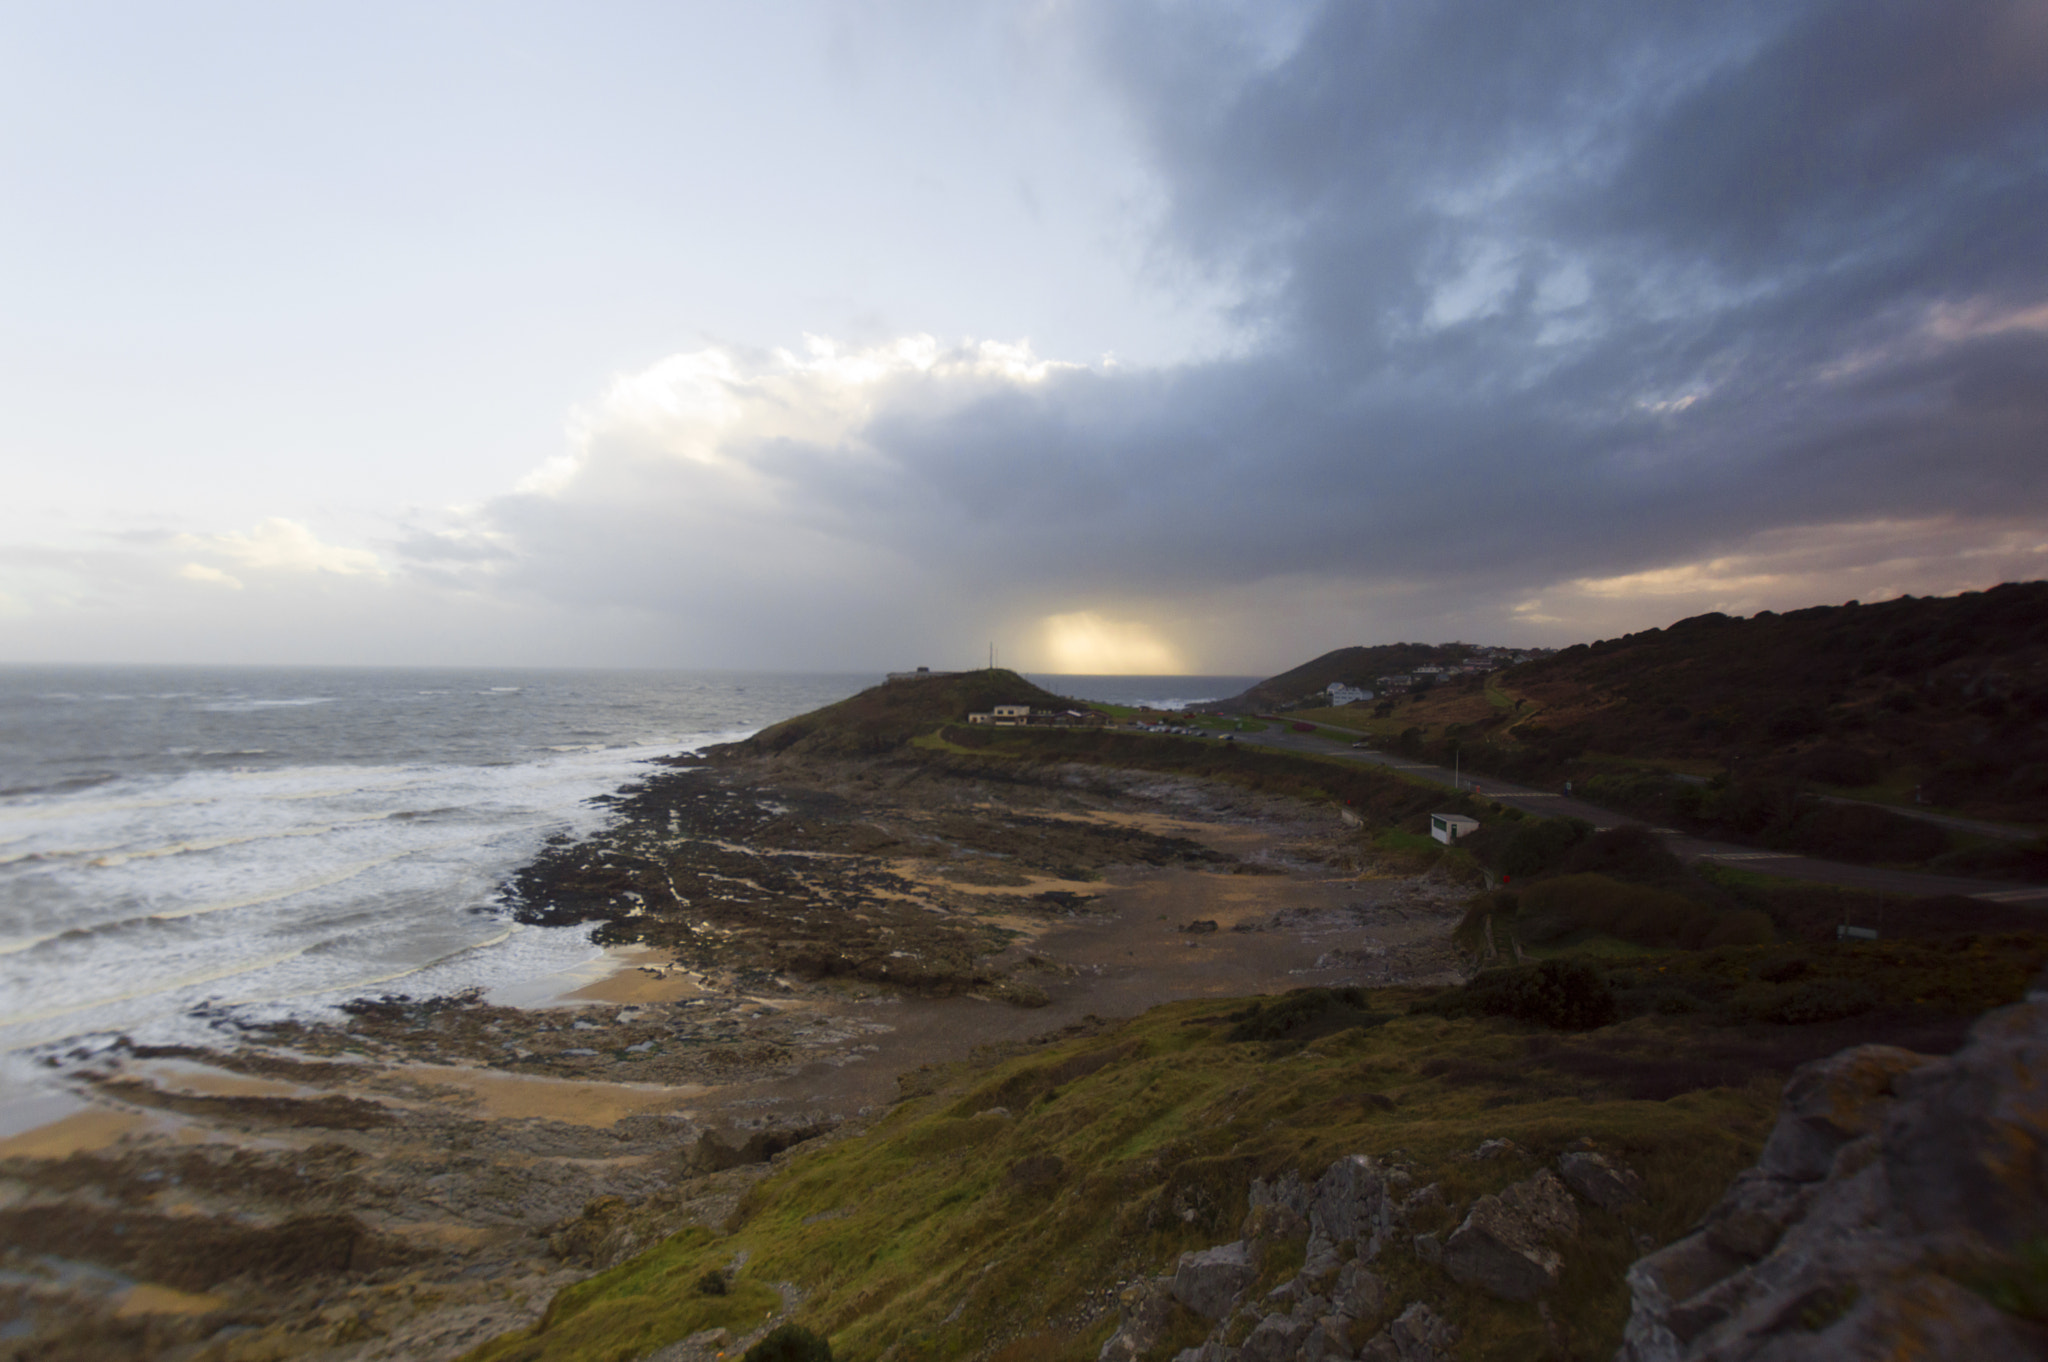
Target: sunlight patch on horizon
1085 643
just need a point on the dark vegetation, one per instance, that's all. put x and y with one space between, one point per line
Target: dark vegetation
1744 728
1349 666
1947 694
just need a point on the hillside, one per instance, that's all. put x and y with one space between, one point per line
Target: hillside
1949 695
1015 1207
1346 666
885 717
1727 723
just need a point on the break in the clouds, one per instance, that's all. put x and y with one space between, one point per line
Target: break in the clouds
1543 322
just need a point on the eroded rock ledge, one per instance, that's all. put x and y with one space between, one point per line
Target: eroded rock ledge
1900 1201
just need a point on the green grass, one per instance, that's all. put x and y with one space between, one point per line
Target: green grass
640 1306
954 1227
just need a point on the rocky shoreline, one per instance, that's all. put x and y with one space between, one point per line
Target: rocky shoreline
798 941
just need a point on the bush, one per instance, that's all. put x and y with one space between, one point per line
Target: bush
1565 995
1629 852
790 1343
1538 845
1304 1015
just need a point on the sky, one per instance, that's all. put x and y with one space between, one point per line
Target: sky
1145 336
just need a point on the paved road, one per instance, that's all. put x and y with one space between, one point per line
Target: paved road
1685 847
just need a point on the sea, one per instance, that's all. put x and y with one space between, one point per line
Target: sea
185 847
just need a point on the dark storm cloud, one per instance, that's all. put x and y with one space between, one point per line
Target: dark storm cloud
1549 290
1529 295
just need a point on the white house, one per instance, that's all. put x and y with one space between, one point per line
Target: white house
1341 694
1449 827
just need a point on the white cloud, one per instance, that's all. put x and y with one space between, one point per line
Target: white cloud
280 545
200 572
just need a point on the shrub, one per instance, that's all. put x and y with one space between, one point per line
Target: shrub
1542 843
1304 1015
1629 852
1565 995
790 1343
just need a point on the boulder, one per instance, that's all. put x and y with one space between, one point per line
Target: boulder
1886 1173
1753 1215
1322 1261
1328 1341
1210 1281
1276 1338
1830 1102
1503 1246
1416 1336
1144 1312
1214 1350
1356 1200
1600 1180
1360 1293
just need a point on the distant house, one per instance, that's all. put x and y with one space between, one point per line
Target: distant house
921 674
1449 827
1396 683
1015 716
1341 694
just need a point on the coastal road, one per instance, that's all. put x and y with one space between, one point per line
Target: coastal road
1550 803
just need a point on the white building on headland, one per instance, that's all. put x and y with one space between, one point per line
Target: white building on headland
1341 694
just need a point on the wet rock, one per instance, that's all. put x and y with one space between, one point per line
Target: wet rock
1210 1281
1503 1247
1600 1180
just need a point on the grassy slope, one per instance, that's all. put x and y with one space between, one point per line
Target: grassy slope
885 717
952 1228
1024 1186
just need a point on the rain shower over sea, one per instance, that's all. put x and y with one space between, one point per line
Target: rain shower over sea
178 842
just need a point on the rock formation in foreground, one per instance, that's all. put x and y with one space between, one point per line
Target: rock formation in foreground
1898 1198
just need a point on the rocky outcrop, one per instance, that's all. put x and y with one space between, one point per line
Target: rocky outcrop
1505 1247
1345 1224
1894 1195
1600 1180
1210 1282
